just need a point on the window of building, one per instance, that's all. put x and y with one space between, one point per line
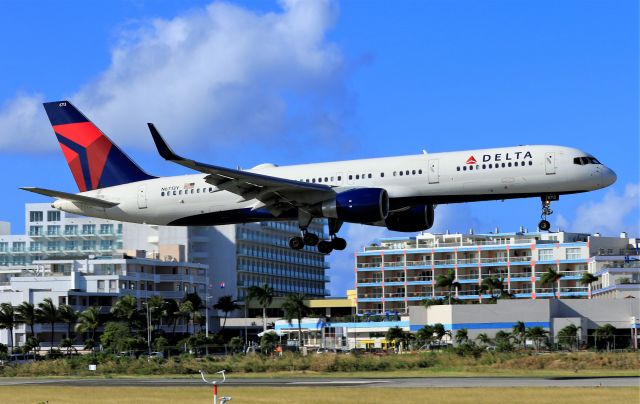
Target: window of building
35 216
35 230
18 246
4 247
70 229
545 254
53 216
88 229
35 246
573 253
106 229
53 245
88 245
119 228
101 284
70 245
53 230
106 245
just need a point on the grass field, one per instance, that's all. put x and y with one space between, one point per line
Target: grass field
70 395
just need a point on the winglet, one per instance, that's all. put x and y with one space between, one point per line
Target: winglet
162 146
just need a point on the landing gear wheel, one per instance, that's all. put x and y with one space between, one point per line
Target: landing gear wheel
544 225
296 243
338 243
325 247
310 239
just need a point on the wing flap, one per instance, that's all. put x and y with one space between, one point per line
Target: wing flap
87 200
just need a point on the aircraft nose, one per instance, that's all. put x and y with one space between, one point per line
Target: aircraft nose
608 176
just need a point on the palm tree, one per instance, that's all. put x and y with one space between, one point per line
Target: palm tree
295 308
551 277
126 309
394 336
425 335
587 279
8 321
170 312
226 304
26 312
491 284
196 306
448 281
537 334
156 307
47 312
605 332
88 322
264 296
484 338
185 310
519 332
439 330
569 335
462 336
68 316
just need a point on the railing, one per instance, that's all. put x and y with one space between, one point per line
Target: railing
394 264
419 279
444 262
387 280
520 275
369 295
417 263
467 276
520 259
573 289
521 290
572 273
369 264
419 294
370 280
395 294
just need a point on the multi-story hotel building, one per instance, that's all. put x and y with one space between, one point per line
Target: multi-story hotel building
238 256
398 273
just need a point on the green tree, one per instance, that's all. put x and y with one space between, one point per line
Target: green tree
126 309
68 316
551 277
394 336
185 311
425 335
8 321
537 334
156 307
448 281
236 345
26 312
117 338
88 322
462 336
47 312
171 314
568 336
484 338
605 333
264 295
519 333
295 308
226 304
268 342
196 306
439 330
491 284
587 279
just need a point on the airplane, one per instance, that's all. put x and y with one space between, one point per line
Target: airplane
399 193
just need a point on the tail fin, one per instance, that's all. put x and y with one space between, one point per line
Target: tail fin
95 161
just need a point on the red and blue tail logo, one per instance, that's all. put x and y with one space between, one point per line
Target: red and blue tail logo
94 160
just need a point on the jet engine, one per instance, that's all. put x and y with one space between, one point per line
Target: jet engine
416 218
359 205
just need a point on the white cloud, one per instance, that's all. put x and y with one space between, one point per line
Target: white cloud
610 215
215 76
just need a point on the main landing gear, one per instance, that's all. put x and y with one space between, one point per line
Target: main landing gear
310 239
546 210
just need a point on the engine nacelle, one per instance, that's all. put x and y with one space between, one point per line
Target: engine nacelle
416 218
360 205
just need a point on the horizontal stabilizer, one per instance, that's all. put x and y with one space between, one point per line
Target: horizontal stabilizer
100 203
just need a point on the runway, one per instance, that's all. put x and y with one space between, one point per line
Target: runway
433 382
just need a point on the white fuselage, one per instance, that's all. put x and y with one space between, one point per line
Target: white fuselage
434 178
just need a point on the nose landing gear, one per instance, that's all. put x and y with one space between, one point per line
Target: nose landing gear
544 225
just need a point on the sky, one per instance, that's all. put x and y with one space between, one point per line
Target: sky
241 83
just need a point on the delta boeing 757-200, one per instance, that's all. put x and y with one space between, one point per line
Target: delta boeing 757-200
399 193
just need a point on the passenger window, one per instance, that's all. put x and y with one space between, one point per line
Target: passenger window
339 178
413 172
174 192
515 164
419 171
458 168
490 165
401 173
350 177
331 179
192 191
319 180
470 167
509 164
210 189
369 175
503 165
407 172
484 166
313 180
464 168
162 193
530 163
381 175
357 176
326 179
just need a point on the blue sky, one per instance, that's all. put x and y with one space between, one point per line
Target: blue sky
292 82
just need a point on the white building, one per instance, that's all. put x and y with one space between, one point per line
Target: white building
82 283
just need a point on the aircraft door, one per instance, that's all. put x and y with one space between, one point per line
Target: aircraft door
550 163
142 197
434 172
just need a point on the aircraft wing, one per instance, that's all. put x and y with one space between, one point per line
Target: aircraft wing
277 194
87 200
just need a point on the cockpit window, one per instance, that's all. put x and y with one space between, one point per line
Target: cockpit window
581 161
